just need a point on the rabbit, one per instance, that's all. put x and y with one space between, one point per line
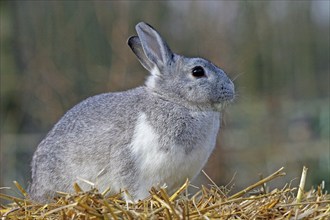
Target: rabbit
158 134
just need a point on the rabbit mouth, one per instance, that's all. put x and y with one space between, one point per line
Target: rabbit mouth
224 101
221 105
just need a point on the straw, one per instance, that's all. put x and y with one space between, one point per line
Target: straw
211 202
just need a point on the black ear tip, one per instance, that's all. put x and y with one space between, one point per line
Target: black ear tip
133 40
149 25
130 40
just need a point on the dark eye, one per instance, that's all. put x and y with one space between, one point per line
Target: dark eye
198 72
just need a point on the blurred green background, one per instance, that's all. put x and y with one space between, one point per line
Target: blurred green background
56 53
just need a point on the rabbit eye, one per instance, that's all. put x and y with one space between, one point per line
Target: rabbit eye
198 72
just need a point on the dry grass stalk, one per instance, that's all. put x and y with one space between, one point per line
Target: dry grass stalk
207 203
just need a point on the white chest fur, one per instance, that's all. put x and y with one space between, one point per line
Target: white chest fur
171 168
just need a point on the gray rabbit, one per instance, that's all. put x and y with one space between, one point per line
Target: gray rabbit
158 134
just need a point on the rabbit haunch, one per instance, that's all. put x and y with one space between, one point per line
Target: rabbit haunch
154 135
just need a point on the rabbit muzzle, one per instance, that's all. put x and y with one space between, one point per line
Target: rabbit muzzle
227 95
227 91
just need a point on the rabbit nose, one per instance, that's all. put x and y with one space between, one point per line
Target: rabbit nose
231 85
227 90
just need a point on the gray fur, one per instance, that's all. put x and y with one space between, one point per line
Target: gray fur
97 139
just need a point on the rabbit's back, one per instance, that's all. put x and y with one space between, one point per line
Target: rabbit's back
91 137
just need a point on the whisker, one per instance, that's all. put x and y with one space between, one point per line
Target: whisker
235 77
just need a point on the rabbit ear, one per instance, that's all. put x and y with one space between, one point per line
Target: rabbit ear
154 47
135 44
